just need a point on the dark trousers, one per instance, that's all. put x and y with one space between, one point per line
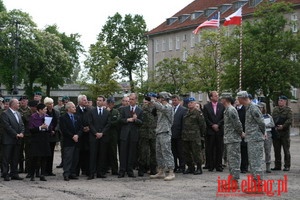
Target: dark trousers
28 162
49 164
21 156
84 155
98 156
284 142
71 156
10 158
192 153
113 154
244 156
215 150
147 154
128 155
177 150
37 164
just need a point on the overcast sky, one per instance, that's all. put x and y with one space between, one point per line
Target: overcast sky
86 17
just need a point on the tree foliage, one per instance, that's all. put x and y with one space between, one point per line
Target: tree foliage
101 71
270 51
125 37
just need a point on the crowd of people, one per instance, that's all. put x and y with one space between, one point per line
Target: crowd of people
164 134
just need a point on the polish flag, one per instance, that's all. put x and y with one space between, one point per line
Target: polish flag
234 18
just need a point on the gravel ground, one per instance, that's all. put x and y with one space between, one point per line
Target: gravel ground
183 187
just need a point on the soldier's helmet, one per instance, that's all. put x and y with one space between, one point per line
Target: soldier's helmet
164 95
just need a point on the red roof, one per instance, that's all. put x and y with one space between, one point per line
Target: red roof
203 5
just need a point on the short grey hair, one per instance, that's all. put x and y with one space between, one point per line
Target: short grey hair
80 97
69 104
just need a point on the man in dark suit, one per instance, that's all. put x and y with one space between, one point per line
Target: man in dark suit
13 132
82 110
214 117
71 127
131 119
99 121
176 141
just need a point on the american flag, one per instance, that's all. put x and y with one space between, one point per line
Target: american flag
213 22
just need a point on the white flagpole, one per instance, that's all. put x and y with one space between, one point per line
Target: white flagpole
241 55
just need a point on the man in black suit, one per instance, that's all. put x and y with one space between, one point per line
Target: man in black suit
99 121
71 127
176 141
131 119
214 117
82 110
13 133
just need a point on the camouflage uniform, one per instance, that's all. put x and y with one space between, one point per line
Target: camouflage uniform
147 141
113 140
25 113
232 137
255 129
194 128
282 116
165 116
268 140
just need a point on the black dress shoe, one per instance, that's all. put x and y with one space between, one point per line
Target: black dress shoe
32 178
211 169
101 176
28 176
205 167
286 169
66 178
50 174
219 169
114 173
42 178
189 171
121 175
179 170
6 178
131 174
276 169
16 178
141 173
73 177
198 172
59 166
90 177
243 171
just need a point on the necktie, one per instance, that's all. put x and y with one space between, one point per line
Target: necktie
72 119
100 111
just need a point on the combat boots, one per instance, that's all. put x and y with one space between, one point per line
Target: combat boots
268 168
170 176
160 174
198 171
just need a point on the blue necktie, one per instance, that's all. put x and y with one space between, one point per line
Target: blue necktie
72 119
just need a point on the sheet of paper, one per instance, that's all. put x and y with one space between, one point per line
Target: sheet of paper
267 120
48 120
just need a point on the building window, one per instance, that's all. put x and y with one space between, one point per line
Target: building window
156 46
171 20
200 96
253 3
184 17
185 55
210 11
163 47
224 8
239 4
192 40
170 44
177 42
196 14
184 38
294 92
294 19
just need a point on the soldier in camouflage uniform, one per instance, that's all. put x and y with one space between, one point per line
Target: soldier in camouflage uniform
25 113
255 131
194 128
147 140
115 117
164 156
282 115
233 131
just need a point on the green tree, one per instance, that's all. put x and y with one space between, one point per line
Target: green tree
73 46
100 71
203 63
170 76
125 37
270 51
2 6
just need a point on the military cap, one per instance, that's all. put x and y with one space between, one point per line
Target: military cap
242 94
190 99
6 99
33 103
59 98
110 100
23 97
226 96
65 98
38 93
151 94
283 97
